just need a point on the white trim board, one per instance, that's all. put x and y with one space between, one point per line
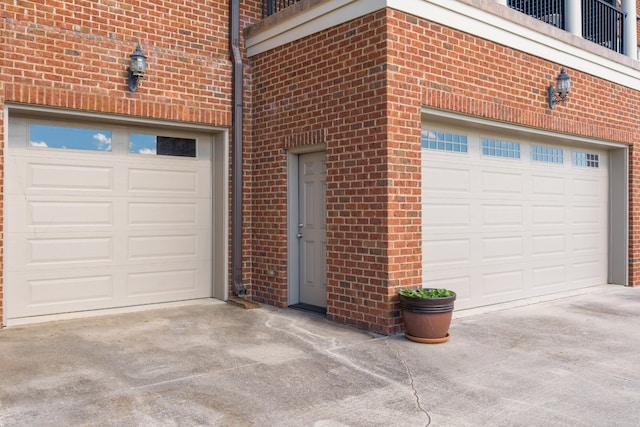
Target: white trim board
458 15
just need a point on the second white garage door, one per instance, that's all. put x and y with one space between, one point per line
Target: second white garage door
101 216
505 219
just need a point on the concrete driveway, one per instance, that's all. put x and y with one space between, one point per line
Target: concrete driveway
568 362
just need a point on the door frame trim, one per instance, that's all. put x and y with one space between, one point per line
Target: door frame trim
293 250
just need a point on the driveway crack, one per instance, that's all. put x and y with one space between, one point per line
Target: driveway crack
411 383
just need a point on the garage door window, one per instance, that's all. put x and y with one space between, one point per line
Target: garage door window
586 159
69 138
495 148
162 145
547 154
444 141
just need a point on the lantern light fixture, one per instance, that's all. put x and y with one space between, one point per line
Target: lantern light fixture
563 86
137 68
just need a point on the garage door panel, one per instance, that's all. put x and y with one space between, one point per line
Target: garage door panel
43 214
502 285
163 181
68 250
154 247
589 242
447 251
588 271
546 215
502 249
587 215
447 179
549 277
47 292
501 183
522 227
166 213
588 188
171 280
548 186
502 215
69 177
81 178
162 282
70 290
438 215
549 244
70 213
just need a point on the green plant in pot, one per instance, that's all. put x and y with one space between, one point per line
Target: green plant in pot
426 313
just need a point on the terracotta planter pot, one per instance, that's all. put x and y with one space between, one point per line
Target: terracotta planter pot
427 320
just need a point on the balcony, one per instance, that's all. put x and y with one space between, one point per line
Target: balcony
269 7
602 21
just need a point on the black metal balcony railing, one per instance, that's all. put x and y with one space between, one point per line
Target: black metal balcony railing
602 21
549 11
269 7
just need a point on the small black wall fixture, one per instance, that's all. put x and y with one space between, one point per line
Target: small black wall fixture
563 86
137 68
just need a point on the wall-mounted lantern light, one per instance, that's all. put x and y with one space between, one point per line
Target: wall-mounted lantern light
563 86
137 68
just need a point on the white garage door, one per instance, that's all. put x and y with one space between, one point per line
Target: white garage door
505 219
101 216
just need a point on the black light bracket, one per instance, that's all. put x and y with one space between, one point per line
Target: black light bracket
137 68
560 92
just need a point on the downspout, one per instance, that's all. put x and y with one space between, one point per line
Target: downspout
236 131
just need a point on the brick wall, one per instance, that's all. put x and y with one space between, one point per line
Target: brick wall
74 54
361 85
333 85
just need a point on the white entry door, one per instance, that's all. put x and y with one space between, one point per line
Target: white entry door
101 216
312 228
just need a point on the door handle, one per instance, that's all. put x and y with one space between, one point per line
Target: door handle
299 235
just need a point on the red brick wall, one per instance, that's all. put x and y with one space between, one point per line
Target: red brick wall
361 85
331 88
74 54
